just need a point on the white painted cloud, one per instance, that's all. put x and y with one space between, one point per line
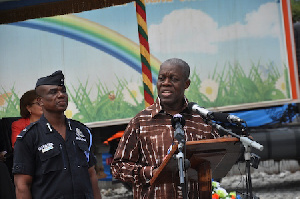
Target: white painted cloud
181 30
263 22
191 30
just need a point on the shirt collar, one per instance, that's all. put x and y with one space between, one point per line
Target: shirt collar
158 108
49 126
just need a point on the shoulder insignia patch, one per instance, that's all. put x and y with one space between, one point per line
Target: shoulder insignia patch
24 131
83 133
79 135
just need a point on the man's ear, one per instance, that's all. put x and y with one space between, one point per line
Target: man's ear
187 83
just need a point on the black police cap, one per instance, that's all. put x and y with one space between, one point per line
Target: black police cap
57 78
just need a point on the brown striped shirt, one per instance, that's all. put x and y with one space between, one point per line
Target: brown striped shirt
145 143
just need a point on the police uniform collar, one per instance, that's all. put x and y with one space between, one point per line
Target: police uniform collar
44 121
69 124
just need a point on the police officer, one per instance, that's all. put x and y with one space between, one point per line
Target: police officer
53 157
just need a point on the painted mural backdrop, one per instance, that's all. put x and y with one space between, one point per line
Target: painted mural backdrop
237 50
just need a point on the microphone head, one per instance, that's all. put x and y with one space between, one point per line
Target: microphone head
177 118
235 119
221 117
190 105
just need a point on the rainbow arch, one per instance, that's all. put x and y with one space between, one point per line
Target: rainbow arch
95 35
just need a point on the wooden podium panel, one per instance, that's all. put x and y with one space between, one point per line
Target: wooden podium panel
211 158
222 153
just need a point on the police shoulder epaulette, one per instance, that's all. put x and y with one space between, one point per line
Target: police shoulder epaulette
79 123
24 131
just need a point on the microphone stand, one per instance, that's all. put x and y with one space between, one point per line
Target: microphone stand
179 135
248 144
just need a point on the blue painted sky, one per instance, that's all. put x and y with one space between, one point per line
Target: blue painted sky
205 33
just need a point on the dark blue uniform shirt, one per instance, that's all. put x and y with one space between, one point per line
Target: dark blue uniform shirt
59 167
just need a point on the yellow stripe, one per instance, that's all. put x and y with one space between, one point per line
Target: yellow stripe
142 23
147 104
145 53
147 81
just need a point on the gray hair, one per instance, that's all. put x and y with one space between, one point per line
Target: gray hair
179 62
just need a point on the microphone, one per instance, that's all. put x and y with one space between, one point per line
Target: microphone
225 117
178 122
192 106
217 116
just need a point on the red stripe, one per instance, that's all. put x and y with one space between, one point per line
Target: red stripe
148 98
144 42
141 11
147 71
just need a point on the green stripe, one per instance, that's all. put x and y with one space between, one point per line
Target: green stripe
141 5
146 88
145 61
142 32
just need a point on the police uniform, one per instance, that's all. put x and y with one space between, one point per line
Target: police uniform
58 166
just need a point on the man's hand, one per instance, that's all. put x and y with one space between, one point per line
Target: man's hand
94 181
2 156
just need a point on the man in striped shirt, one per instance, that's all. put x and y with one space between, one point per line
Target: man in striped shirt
150 134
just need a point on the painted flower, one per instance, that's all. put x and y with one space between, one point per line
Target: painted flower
71 110
132 92
3 97
266 70
111 96
281 85
210 89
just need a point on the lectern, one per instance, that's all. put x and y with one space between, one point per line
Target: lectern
211 158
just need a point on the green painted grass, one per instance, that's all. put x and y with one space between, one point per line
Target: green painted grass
234 87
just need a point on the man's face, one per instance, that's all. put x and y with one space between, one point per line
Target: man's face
171 84
53 98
